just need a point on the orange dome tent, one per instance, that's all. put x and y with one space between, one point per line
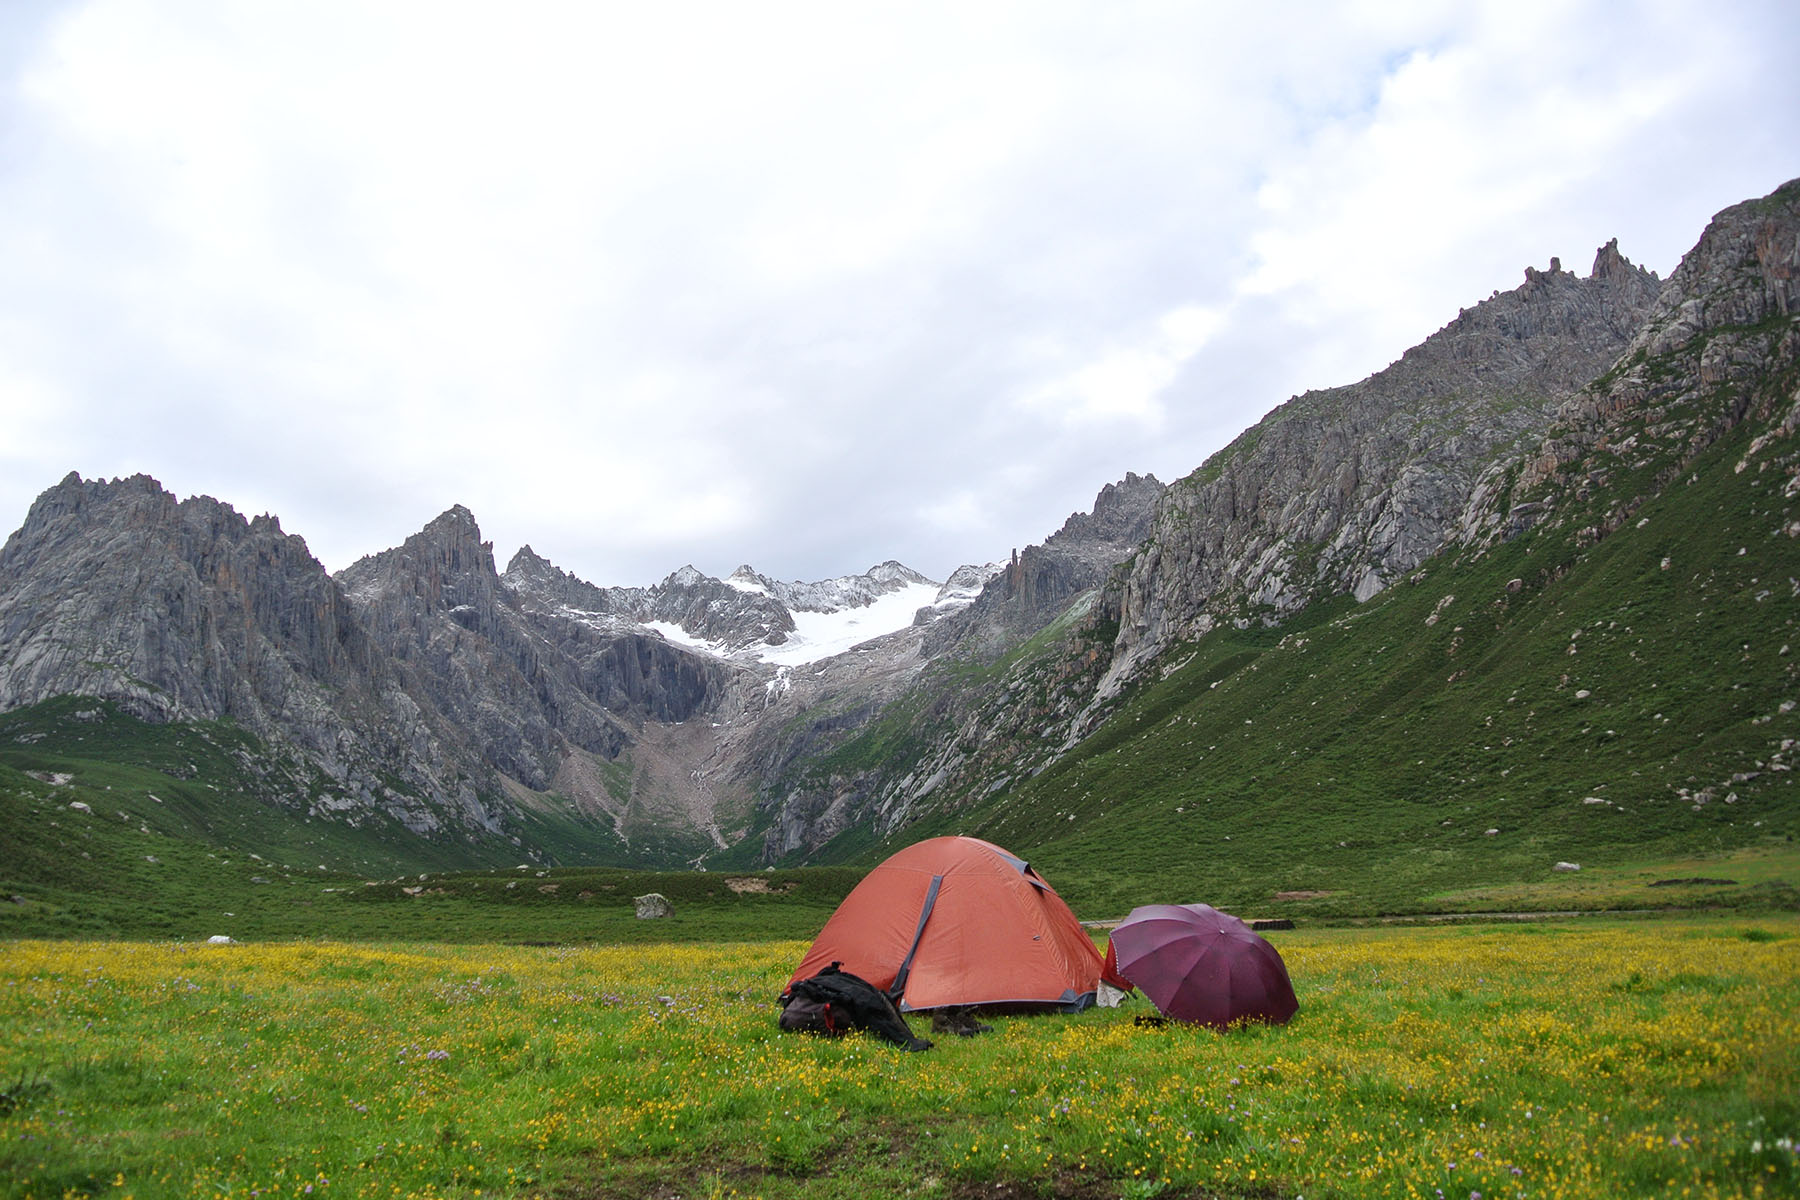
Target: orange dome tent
955 921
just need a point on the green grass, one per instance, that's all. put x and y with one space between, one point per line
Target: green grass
1578 1059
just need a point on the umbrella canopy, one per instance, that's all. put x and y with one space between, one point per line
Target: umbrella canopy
1199 964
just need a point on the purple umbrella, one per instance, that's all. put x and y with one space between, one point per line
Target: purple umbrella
1199 964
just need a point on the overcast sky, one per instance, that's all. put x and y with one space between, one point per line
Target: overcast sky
807 286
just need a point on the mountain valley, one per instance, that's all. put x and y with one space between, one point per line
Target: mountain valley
1524 599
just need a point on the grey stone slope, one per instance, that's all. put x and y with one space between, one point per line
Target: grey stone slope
1040 582
1346 489
186 611
1718 347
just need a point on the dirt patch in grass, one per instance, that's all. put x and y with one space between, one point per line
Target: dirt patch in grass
881 1157
1083 1185
880 1174
751 883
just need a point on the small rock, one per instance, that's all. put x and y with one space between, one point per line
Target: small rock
79 806
653 905
1566 866
219 939
1582 693
1489 832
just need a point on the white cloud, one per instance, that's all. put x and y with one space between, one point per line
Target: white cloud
711 282
1494 150
1127 381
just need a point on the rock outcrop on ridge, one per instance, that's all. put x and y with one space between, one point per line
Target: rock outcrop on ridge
1036 585
1725 321
1346 489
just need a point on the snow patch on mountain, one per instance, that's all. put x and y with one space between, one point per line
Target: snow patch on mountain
681 637
749 617
820 635
959 591
746 580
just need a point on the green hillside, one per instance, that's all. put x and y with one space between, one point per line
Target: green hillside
133 830
1626 704
110 825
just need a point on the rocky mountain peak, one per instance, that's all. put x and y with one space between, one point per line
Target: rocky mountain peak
114 589
536 581
455 521
445 568
1346 489
1119 515
1725 318
891 575
526 561
1610 264
455 536
1039 582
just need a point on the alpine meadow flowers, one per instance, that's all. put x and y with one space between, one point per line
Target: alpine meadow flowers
1653 1058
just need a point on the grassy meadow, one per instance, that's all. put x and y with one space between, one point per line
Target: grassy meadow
1591 1058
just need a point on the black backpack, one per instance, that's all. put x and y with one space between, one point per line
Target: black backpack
803 1014
834 1001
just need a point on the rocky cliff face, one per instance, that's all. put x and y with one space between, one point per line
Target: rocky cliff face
1724 326
177 609
1032 589
1344 490
186 611
436 609
618 664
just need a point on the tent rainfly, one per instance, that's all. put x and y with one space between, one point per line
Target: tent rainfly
956 921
